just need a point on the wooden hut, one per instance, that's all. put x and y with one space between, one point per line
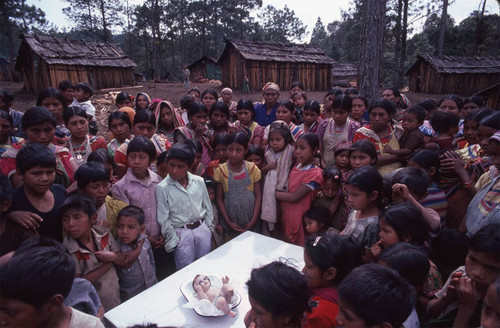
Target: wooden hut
280 63
459 75
344 74
206 68
491 96
44 61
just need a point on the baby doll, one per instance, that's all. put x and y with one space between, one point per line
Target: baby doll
220 298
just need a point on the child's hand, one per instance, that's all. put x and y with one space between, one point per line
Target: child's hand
200 130
400 192
235 227
156 241
197 288
25 219
106 256
450 161
376 249
451 291
467 292
388 150
225 279
219 228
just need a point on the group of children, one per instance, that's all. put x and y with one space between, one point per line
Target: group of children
346 180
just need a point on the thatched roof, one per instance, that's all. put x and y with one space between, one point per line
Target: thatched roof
279 52
339 69
460 65
83 53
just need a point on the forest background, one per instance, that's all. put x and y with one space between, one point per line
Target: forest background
161 36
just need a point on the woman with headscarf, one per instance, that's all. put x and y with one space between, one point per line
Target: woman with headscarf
265 113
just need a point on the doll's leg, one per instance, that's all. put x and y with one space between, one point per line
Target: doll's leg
228 292
223 305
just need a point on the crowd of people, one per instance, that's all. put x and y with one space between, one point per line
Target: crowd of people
388 199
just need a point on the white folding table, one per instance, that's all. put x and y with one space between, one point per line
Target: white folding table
163 303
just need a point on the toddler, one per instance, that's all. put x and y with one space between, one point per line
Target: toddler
412 139
82 95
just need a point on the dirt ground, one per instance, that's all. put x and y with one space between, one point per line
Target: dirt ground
103 100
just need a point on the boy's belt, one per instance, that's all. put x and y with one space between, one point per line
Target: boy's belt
193 224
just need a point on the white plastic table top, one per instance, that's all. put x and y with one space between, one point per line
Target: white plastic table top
163 303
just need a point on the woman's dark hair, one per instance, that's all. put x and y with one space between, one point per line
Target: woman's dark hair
6 116
367 147
34 154
196 107
348 91
288 105
481 113
426 159
408 223
473 99
73 111
255 150
410 261
37 115
452 97
51 93
339 252
142 144
182 152
119 115
65 85
246 104
334 91
428 104
219 106
387 105
220 139
343 102
144 116
363 99
280 289
368 180
238 137
210 91
491 121
313 106
122 96
100 155
91 172
312 139
283 129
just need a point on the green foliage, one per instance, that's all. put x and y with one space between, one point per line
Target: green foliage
281 25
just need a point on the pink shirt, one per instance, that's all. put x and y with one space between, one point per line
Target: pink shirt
140 193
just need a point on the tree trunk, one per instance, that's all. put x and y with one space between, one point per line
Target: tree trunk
183 40
371 47
105 36
442 27
402 56
397 47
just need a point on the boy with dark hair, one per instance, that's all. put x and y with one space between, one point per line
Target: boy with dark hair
374 295
140 275
35 283
92 248
93 180
445 124
12 235
184 210
36 203
409 184
460 300
6 100
138 187
67 89
82 95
